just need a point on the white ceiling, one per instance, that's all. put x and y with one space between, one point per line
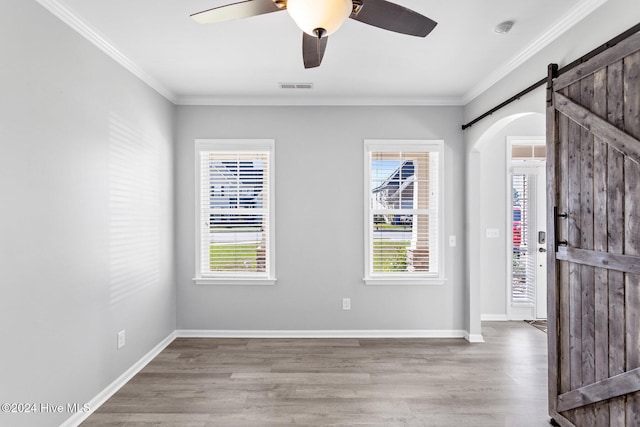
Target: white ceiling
242 62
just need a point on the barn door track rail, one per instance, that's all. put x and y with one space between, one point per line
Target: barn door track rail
614 41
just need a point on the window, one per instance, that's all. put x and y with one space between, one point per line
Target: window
528 150
403 211
235 213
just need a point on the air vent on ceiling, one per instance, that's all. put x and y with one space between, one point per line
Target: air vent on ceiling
296 85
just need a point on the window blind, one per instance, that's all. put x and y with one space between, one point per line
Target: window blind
403 212
235 214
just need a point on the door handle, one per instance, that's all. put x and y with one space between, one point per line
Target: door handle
557 215
542 250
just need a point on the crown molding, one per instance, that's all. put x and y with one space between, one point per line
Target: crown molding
69 17
575 15
317 101
73 20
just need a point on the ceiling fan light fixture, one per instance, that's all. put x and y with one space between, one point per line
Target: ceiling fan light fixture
313 15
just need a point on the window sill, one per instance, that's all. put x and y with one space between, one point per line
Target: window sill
404 281
233 281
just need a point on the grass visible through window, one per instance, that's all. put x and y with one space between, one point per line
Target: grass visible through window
234 257
389 256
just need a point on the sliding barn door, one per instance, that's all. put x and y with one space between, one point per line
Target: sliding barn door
593 155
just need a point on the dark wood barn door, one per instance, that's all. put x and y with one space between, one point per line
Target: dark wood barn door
593 161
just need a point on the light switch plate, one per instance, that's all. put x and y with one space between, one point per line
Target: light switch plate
121 339
492 233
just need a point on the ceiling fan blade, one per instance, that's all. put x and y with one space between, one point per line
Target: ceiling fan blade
243 9
313 50
392 17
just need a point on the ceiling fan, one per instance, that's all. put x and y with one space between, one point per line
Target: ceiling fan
320 18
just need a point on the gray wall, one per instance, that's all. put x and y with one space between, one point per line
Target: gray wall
319 221
85 148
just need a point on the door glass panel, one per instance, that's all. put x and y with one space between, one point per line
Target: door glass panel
523 255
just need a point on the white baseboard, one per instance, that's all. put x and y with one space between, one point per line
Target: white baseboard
116 385
521 317
473 338
493 317
385 333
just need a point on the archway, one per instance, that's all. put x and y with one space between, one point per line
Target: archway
515 121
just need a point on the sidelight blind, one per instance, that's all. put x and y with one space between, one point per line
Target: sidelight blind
523 255
235 211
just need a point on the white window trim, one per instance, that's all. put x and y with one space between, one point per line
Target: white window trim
403 145
236 145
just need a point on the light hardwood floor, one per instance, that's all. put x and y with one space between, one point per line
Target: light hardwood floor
346 382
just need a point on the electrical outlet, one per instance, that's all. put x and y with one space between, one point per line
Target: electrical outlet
346 303
452 241
121 339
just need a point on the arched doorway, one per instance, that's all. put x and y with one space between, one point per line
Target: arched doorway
488 200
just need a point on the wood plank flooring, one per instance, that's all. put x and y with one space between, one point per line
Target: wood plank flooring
202 382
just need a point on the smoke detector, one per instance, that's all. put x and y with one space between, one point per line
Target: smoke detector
504 27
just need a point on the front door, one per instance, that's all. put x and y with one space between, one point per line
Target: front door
528 263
